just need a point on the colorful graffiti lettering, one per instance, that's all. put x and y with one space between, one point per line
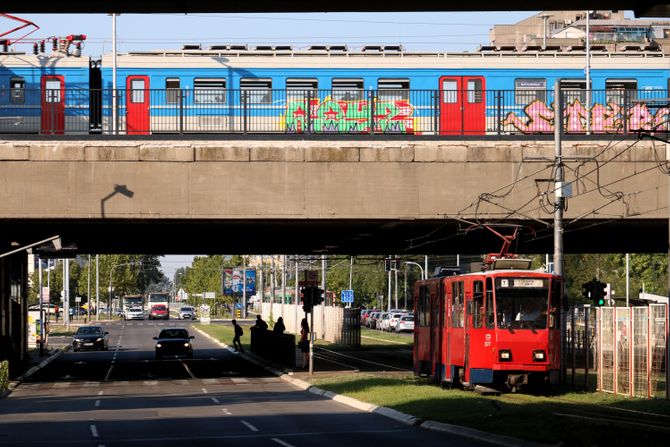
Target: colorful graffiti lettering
334 116
610 118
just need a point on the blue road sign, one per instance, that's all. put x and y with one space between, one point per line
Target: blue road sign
347 296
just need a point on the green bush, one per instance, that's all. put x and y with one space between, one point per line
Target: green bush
4 376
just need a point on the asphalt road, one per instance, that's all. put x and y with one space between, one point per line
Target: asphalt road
124 397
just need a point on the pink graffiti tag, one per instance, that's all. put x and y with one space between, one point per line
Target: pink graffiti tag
540 118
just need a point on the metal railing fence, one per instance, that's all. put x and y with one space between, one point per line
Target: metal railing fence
333 112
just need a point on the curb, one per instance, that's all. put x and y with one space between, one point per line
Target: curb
396 415
26 375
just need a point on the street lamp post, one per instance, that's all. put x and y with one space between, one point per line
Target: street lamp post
423 273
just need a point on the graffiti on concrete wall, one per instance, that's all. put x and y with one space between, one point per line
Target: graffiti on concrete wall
538 117
340 116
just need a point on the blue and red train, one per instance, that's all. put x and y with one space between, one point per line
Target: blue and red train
332 90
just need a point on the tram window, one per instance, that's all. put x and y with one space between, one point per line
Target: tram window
257 91
17 87
619 89
209 91
490 323
457 313
478 304
301 88
53 91
424 305
393 89
347 89
474 91
172 86
449 91
136 91
527 90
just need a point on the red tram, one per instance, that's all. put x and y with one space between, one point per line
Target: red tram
498 327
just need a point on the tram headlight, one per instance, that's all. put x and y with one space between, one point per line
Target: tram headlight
539 356
505 355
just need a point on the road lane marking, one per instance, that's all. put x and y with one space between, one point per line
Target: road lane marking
238 380
100 393
251 427
97 403
204 390
188 370
109 372
94 431
215 400
226 412
284 443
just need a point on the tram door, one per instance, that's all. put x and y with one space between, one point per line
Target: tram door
53 105
462 105
137 105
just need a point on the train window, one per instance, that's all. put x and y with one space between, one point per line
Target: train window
209 91
301 88
490 323
52 88
256 91
137 91
17 87
172 87
347 89
393 89
474 91
478 304
457 312
618 90
449 91
527 90
573 90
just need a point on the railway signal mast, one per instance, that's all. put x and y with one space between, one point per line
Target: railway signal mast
312 296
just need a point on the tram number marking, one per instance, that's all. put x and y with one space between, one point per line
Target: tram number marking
487 340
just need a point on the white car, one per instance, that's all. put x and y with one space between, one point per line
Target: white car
383 322
406 323
186 313
393 321
134 313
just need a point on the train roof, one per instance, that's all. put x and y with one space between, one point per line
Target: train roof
22 60
230 56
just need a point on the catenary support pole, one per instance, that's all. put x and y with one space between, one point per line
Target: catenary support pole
559 204
97 287
39 263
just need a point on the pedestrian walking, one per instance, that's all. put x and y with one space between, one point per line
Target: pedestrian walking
260 323
238 333
279 326
304 342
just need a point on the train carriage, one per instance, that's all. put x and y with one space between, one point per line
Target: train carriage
495 328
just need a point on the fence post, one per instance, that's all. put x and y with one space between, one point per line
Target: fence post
181 111
572 342
436 111
587 345
244 111
372 111
499 100
308 110
625 112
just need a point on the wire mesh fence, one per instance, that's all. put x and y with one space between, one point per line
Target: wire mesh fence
139 111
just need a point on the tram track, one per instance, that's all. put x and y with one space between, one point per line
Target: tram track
356 363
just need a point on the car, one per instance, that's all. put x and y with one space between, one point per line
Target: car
383 321
159 312
371 322
393 321
90 337
134 313
406 323
50 307
174 341
186 313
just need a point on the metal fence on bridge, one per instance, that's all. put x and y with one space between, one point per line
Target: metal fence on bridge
332 112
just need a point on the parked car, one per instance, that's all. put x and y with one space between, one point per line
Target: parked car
159 312
406 323
174 341
383 322
90 337
186 313
372 320
134 313
50 307
393 320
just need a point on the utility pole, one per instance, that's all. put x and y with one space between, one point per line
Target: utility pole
283 283
325 293
66 292
39 263
395 274
559 204
587 72
97 288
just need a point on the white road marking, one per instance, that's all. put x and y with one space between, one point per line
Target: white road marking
215 400
188 370
284 443
226 411
97 403
204 390
239 380
100 393
251 427
94 431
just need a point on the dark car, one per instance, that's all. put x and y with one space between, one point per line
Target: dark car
174 341
90 337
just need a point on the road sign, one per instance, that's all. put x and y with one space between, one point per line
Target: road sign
311 279
77 299
45 295
347 296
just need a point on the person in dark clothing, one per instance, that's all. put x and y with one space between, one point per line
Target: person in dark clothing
238 333
260 323
304 342
279 327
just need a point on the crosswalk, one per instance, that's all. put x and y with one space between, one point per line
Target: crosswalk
77 384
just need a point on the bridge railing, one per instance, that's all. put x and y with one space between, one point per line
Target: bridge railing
331 112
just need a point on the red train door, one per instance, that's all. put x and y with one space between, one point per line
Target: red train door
137 105
462 105
53 105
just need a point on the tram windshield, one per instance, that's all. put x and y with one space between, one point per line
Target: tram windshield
521 303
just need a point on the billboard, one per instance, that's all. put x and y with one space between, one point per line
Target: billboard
233 280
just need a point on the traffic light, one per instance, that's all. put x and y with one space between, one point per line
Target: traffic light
599 293
307 302
586 290
317 296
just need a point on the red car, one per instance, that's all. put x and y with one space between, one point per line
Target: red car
159 312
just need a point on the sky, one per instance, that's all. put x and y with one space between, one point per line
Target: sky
448 31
